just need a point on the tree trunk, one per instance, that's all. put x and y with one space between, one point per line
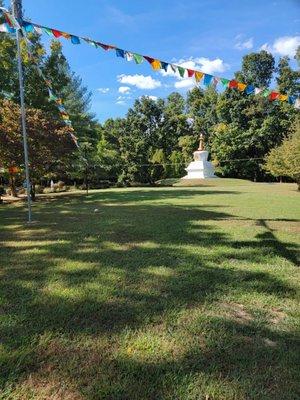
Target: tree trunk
12 186
32 192
86 181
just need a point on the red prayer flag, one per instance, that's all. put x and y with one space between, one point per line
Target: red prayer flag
56 33
233 84
274 96
105 46
190 72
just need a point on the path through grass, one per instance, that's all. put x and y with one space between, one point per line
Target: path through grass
164 293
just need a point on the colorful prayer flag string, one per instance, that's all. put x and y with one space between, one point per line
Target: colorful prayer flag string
155 63
27 27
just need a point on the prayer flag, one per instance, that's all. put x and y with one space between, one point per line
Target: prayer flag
273 96
149 59
258 90
250 89
156 65
266 92
38 29
225 82
28 27
181 71
292 99
198 75
104 46
56 33
173 68
52 96
91 42
48 31
120 53
283 97
75 39
6 28
233 84
138 58
216 81
128 55
66 35
241 86
207 79
164 65
190 72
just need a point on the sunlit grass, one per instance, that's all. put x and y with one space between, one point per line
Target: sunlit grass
163 293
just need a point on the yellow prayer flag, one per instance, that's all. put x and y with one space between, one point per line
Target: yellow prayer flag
198 75
241 86
156 64
283 97
65 35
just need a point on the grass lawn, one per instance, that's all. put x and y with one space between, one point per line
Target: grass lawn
164 293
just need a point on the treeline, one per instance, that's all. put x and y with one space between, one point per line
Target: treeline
155 139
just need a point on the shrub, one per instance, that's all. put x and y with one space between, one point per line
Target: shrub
39 189
21 190
60 184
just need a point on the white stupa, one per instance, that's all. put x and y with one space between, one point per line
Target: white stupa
200 168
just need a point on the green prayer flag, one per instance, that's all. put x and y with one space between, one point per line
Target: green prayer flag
266 92
181 71
224 82
138 58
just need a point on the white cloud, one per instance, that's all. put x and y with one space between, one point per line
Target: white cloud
124 89
140 81
266 47
103 90
121 102
154 98
185 83
283 46
201 64
243 45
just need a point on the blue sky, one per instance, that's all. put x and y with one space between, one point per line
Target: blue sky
210 35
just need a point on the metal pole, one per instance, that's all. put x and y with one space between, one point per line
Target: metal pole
17 12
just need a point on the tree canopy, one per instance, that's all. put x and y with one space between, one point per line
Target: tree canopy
156 138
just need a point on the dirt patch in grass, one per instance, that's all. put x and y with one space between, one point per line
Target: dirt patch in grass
277 316
45 387
237 311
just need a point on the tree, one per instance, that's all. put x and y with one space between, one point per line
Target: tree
284 160
288 81
250 126
49 142
201 107
257 69
76 97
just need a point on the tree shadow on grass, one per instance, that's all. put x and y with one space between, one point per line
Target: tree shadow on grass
129 268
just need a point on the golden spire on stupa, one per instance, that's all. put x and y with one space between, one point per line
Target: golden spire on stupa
201 143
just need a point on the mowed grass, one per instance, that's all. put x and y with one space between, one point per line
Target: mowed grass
164 293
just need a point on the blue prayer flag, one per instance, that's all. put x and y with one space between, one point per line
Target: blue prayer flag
164 65
75 40
120 53
291 99
207 79
250 89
